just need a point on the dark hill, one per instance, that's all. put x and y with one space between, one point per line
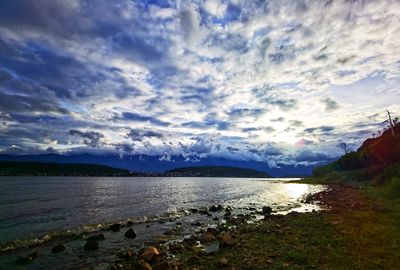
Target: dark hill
55 169
217 171
377 159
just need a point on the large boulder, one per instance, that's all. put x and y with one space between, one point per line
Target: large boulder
150 253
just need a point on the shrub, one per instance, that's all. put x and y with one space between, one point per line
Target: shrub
393 188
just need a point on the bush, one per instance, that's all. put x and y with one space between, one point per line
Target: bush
393 188
350 161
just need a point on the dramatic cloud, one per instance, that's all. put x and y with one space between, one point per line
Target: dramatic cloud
90 138
278 81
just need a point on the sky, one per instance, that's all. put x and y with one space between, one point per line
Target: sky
282 82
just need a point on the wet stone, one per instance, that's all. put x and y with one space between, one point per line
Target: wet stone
207 237
266 210
223 262
130 234
142 265
150 253
28 258
58 248
227 240
164 265
97 237
115 227
91 245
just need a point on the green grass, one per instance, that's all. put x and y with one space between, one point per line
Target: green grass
307 241
392 188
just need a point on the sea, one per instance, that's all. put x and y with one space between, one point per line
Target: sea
38 212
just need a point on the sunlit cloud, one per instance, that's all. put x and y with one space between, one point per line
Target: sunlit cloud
274 81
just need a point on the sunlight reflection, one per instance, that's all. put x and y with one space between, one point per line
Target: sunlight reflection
296 191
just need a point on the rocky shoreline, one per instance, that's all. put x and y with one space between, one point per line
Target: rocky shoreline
180 242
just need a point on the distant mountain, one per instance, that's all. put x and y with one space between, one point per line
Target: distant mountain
217 171
156 164
8 168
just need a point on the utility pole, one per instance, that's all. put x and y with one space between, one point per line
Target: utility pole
390 122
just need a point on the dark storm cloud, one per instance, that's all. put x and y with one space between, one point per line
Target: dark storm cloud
90 138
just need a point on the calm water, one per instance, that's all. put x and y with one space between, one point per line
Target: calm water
33 206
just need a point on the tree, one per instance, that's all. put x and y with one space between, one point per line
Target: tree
343 146
391 124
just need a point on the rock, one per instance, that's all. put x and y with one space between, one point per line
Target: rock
129 223
28 258
207 237
198 224
212 230
97 237
91 245
215 219
266 210
116 266
223 262
252 209
128 255
130 234
227 240
164 265
216 208
58 248
203 211
142 265
228 214
194 210
150 253
115 227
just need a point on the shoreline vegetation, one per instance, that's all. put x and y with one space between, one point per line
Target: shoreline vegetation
19 168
